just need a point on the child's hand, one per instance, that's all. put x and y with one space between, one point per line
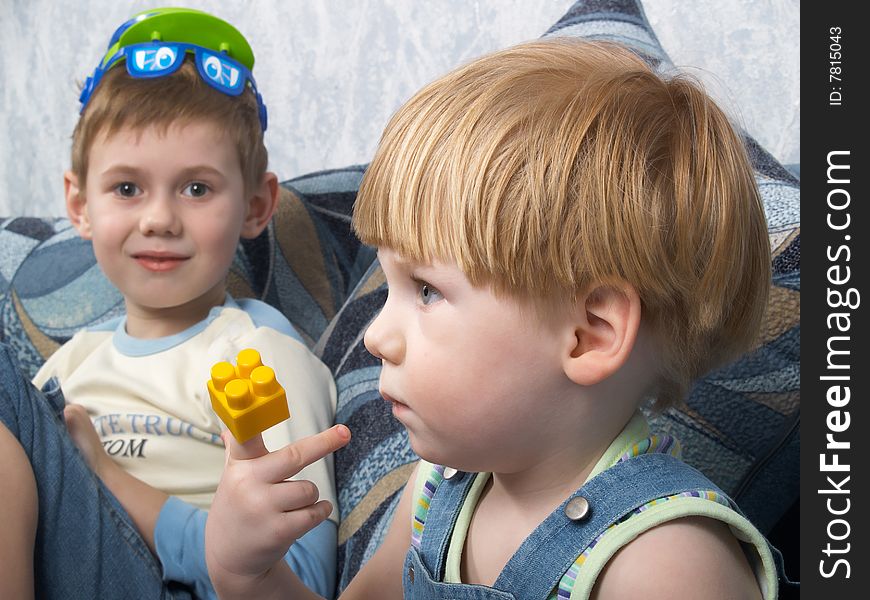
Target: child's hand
142 502
85 437
256 514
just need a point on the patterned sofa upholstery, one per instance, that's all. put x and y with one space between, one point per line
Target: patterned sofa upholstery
739 425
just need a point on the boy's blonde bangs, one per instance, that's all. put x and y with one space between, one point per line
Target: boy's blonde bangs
467 172
431 198
557 165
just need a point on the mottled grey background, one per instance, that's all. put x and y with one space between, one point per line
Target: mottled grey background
332 72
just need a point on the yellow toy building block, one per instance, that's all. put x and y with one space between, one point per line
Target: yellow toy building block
247 397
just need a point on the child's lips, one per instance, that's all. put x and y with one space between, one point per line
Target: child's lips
396 404
159 262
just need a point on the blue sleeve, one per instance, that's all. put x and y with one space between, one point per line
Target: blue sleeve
179 536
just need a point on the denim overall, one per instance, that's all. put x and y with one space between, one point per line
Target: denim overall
543 558
74 505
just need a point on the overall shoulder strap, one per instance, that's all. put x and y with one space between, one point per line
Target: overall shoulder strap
445 501
555 544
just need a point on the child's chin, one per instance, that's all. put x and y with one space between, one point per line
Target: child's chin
421 449
429 452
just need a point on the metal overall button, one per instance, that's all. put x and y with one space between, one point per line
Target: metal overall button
450 473
577 508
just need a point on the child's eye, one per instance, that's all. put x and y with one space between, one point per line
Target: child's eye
127 189
197 189
428 294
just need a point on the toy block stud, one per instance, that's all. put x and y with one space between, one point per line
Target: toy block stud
247 397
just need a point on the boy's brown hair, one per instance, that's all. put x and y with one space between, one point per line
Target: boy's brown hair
183 97
557 165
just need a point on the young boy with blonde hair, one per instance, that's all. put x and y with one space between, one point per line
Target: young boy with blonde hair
168 175
566 236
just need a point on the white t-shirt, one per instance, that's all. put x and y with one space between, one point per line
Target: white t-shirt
149 401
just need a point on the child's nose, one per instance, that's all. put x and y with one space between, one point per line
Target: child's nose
383 339
159 217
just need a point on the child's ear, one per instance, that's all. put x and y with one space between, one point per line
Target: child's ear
75 204
605 326
261 206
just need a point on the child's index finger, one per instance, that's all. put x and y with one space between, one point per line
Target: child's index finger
250 448
292 458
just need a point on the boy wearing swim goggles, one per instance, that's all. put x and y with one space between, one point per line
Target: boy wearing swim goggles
168 174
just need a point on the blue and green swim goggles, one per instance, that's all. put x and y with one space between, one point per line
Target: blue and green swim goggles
155 43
